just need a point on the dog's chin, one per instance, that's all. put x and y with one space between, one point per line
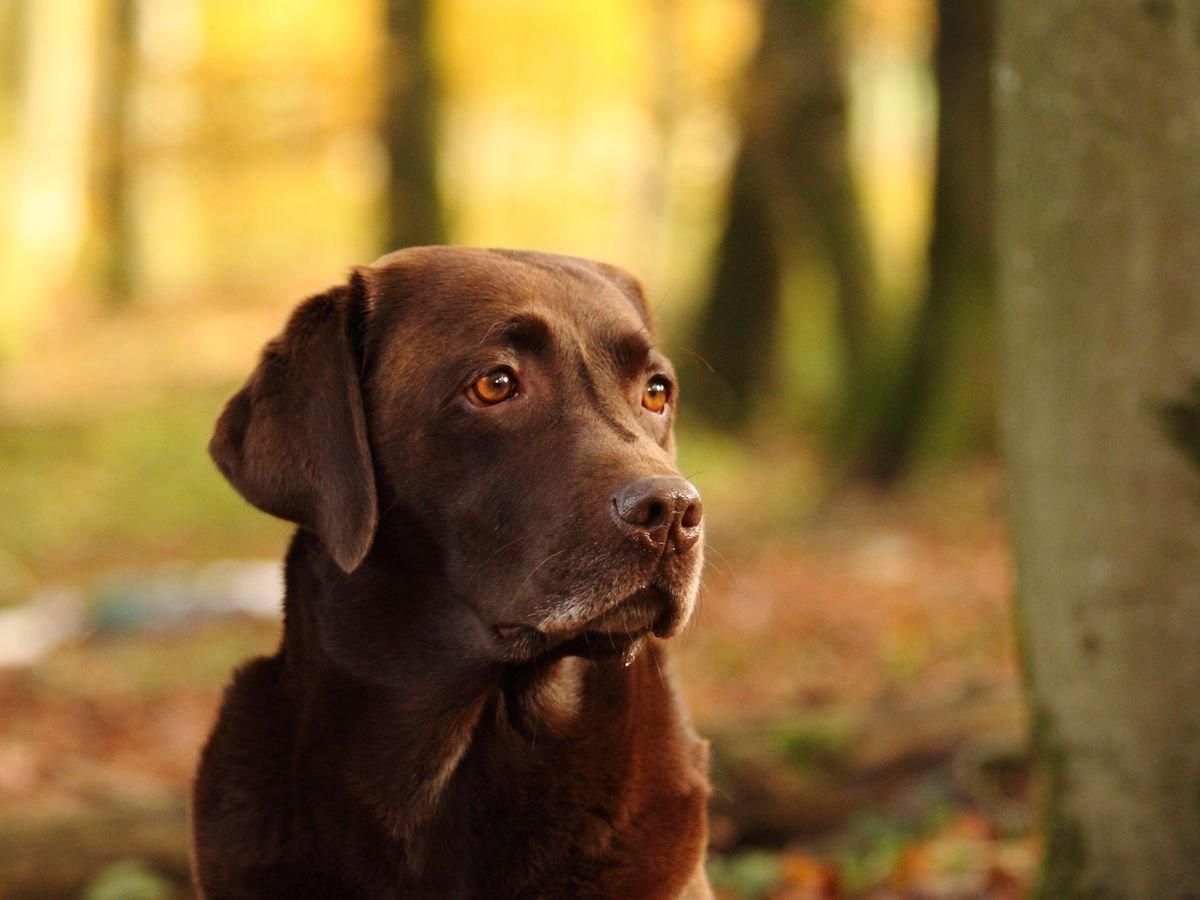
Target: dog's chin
619 630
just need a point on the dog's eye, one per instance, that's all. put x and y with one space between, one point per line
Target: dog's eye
656 394
494 387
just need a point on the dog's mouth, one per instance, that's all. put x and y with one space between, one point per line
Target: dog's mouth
644 610
619 630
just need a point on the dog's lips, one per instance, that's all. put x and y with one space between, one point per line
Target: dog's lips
640 612
620 630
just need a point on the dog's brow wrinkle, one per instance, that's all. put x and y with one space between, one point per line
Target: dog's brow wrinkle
528 332
522 332
593 393
631 351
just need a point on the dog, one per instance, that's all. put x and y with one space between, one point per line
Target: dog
471 698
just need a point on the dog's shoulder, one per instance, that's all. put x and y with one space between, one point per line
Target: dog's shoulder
239 796
256 709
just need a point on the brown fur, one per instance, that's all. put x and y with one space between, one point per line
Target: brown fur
471 698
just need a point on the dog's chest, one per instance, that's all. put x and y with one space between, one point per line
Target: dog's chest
599 819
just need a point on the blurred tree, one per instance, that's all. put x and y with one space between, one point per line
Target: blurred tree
46 165
943 391
1099 260
410 128
666 103
12 52
112 204
791 189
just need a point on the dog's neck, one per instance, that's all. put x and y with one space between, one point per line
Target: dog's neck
406 675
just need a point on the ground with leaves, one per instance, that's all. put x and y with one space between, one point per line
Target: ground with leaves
855 671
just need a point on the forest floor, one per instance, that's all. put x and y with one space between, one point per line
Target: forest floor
853 666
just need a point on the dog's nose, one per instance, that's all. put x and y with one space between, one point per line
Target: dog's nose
664 512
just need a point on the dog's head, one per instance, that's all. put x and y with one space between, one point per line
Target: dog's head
513 410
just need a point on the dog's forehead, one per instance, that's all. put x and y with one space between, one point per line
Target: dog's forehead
464 290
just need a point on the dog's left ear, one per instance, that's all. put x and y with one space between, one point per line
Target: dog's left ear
293 441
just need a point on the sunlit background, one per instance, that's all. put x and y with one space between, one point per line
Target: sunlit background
803 188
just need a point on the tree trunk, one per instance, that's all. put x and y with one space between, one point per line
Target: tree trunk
792 190
45 213
657 195
114 214
1099 279
945 389
805 125
738 328
13 22
413 216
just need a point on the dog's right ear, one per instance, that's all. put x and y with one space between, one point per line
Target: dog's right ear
293 441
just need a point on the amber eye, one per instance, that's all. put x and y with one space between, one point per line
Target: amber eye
656 394
494 387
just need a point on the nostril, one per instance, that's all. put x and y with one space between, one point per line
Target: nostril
692 515
654 513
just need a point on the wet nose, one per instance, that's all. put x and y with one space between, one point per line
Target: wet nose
663 512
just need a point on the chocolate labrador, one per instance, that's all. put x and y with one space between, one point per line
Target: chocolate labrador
471 697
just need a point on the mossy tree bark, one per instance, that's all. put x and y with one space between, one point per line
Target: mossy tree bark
792 194
1098 114
413 214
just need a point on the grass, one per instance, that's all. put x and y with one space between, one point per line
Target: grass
131 488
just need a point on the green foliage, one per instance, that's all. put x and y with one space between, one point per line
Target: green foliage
156 668
874 844
813 742
749 875
133 485
129 879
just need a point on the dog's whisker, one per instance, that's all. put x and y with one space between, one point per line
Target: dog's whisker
661 678
737 581
570 520
491 330
723 571
707 364
539 565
